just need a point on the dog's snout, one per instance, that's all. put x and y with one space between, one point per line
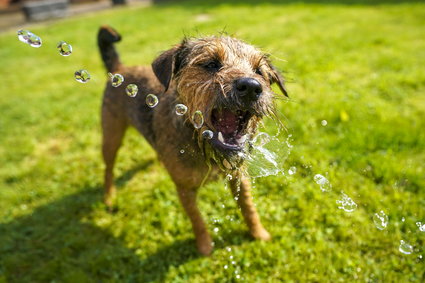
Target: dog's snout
249 88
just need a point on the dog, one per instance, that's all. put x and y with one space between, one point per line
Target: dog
225 85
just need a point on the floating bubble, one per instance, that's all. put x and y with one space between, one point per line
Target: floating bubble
226 266
405 248
181 109
207 134
64 48
421 226
116 80
292 170
131 90
216 230
198 119
29 38
324 183
324 123
181 151
381 220
346 203
82 76
152 100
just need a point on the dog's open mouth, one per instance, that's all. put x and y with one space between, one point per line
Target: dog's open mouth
230 128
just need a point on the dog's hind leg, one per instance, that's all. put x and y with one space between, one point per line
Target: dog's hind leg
241 189
113 129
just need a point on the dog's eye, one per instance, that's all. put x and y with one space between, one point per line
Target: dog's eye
258 72
212 66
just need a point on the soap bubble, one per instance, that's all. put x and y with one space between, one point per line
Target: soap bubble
64 48
29 38
381 220
405 248
116 80
131 90
324 183
82 76
207 134
181 109
292 170
198 119
151 100
346 203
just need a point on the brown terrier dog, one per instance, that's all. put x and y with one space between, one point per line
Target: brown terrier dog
226 81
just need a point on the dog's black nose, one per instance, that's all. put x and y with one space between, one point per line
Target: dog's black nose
249 88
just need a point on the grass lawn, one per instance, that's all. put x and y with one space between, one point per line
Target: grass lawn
356 66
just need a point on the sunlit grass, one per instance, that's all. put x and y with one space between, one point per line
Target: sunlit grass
359 67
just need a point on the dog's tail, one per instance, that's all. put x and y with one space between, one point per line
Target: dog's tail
106 38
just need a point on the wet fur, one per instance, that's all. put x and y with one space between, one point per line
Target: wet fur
178 76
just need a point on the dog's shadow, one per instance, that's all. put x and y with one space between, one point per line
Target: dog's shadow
57 242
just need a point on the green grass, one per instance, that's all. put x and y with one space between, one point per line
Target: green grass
358 65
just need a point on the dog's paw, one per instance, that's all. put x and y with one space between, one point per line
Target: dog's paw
261 234
205 250
205 246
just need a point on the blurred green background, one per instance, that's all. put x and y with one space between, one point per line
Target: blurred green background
358 65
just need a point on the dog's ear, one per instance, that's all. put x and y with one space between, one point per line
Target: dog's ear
167 64
277 78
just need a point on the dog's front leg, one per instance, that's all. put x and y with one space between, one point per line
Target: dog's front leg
241 189
203 239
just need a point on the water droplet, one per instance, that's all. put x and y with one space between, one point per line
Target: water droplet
131 90
181 109
152 100
324 183
421 226
229 177
268 155
261 140
216 230
82 76
405 248
292 170
381 220
116 80
64 48
207 134
198 119
181 151
324 123
29 38
346 203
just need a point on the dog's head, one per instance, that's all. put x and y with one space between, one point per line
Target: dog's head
228 81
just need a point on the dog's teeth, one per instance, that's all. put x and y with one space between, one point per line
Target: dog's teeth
220 137
242 139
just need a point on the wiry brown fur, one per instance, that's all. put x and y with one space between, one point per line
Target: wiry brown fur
179 76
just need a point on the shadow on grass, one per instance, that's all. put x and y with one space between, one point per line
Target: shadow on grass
58 242
211 3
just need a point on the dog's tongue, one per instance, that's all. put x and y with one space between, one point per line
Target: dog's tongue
227 122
